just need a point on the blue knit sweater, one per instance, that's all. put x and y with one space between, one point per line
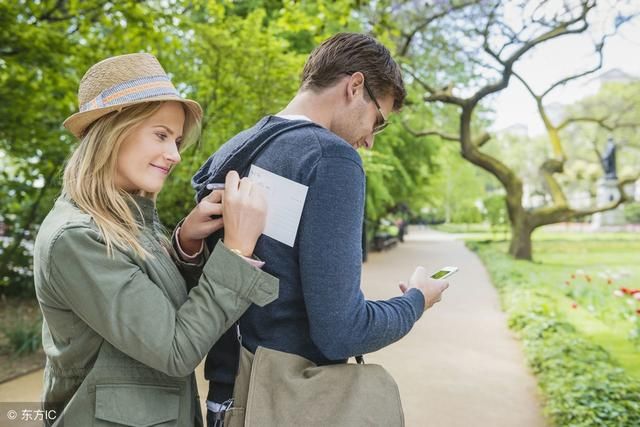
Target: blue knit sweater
321 313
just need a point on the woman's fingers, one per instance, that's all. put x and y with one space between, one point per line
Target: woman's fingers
214 225
208 209
232 181
214 197
244 190
258 198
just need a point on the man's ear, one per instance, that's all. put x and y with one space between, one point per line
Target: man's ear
355 84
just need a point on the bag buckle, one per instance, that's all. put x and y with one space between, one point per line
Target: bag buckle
218 416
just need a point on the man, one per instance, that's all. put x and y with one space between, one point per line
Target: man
350 85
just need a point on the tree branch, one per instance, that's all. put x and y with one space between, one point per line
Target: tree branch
482 139
552 130
548 169
445 96
554 214
566 80
421 82
560 30
600 121
408 36
421 134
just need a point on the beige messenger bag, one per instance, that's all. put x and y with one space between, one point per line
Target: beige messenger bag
277 389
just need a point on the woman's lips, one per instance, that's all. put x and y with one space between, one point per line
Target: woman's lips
163 170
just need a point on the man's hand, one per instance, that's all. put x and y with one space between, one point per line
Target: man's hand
432 289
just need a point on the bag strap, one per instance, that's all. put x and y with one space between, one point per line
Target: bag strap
244 154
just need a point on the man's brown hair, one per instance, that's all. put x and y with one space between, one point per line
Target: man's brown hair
347 53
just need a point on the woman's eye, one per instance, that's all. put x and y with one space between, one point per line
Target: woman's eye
161 135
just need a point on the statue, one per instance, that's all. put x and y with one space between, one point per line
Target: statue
609 160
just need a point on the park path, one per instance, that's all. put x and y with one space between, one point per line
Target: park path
459 366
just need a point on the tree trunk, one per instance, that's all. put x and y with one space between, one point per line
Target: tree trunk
520 246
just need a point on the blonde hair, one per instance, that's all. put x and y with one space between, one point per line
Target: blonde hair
89 176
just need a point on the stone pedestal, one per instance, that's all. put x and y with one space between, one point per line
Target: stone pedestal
608 192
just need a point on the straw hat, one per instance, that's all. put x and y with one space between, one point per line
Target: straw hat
119 82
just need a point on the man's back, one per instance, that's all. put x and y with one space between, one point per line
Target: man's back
320 313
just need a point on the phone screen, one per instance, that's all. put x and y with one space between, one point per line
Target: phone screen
440 274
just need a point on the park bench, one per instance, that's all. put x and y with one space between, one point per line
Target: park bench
383 241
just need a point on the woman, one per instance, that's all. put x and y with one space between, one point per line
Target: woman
127 313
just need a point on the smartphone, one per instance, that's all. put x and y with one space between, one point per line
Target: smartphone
444 272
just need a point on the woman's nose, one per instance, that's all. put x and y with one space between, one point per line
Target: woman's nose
173 154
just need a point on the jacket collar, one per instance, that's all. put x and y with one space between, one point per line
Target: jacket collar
142 208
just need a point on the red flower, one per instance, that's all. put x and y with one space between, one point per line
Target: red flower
634 291
574 305
626 291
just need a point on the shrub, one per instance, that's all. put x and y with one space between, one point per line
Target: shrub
24 338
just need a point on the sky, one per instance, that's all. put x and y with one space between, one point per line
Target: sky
556 59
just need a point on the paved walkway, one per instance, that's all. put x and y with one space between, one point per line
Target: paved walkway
459 366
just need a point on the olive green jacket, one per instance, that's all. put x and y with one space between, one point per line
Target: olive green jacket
123 334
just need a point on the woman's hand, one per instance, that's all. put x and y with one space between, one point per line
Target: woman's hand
244 209
198 224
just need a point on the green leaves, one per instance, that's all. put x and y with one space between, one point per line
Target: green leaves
240 60
46 48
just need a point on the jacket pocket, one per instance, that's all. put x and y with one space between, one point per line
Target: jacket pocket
137 405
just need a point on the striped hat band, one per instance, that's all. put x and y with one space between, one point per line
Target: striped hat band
132 90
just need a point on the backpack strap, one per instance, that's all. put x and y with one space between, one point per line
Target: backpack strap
241 158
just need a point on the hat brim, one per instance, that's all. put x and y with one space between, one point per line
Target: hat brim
78 122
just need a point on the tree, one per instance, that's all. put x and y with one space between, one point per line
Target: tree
485 42
46 46
398 172
239 59
245 63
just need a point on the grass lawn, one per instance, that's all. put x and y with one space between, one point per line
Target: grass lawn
580 273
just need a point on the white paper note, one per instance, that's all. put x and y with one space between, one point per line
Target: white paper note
285 201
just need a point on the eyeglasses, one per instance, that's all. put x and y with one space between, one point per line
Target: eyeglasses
381 121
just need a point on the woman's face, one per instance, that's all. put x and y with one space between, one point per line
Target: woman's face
149 152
